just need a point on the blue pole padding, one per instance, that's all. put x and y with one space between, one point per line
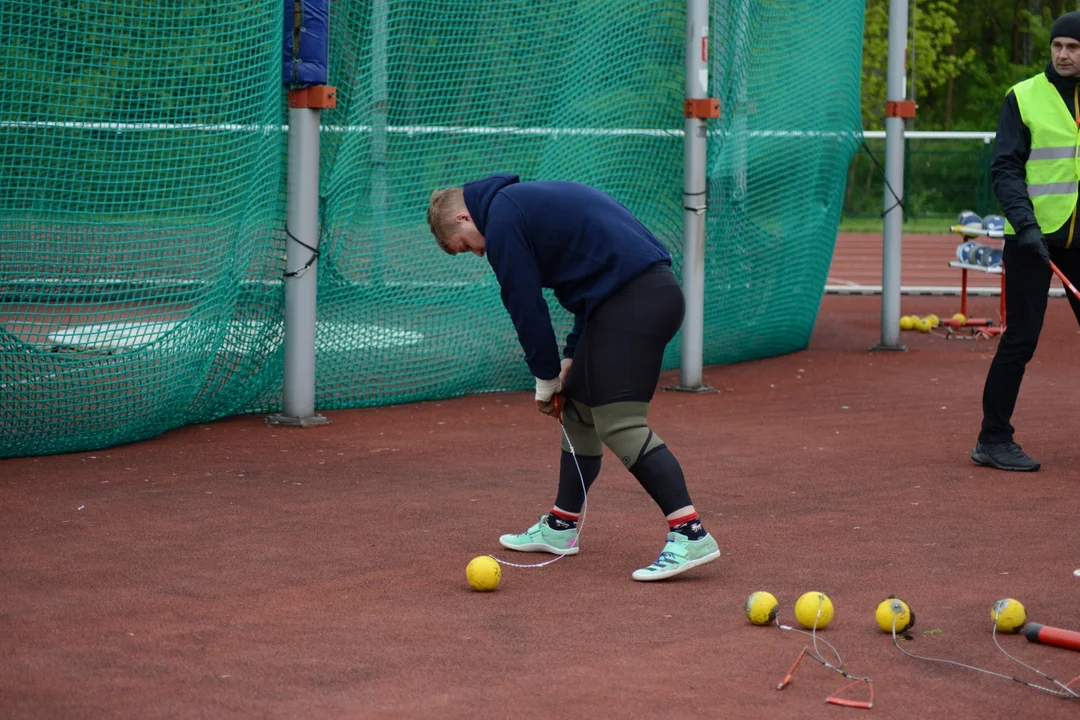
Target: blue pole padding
306 44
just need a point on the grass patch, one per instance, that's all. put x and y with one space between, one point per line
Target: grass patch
932 225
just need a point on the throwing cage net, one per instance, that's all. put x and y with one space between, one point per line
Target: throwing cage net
142 208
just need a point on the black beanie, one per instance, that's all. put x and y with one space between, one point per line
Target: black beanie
1068 25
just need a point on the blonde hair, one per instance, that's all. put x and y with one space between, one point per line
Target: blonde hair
445 203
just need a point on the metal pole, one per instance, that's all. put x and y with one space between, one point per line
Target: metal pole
894 177
739 33
694 198
911 42
380 105
301 269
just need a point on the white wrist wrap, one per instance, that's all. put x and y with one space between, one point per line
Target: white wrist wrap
546 389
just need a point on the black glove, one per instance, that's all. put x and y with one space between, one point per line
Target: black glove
1032 241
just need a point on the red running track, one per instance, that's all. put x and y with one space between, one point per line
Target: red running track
237 570
857 262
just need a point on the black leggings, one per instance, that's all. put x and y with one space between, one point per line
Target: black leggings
621 350
1027 282
618 360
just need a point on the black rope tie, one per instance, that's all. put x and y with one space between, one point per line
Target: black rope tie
899 203
311 260
704 193
301 243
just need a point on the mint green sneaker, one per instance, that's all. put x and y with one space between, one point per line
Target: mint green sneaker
679 555
543 538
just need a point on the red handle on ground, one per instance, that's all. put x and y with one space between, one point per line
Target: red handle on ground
1052 636
969 322
849 702
1065 281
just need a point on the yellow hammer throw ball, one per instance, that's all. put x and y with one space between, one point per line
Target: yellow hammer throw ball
1009 615
959 318
761 608
906 323
814 608
933 320
894 609
483 573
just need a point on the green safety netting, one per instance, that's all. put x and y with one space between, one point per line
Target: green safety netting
142 191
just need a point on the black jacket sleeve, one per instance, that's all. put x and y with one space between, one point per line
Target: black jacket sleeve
1011 148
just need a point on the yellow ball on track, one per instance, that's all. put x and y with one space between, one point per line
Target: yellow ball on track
814 608
906 323
761 608
933 320
1009 615
483 573
894 609
922 325
959 318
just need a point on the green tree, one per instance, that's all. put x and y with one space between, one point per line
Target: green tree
1011 39
964 56
875 63
934 58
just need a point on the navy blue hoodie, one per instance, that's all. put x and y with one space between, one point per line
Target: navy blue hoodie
569 237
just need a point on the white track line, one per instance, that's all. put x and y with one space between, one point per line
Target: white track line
923 290
107 337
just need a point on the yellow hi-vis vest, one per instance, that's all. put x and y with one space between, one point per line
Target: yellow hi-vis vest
1053 166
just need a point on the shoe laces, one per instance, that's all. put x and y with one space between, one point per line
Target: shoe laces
666 558
1014 450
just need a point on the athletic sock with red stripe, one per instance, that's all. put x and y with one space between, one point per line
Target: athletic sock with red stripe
558 520
688 525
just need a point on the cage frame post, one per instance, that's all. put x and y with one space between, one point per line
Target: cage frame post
301 256
896 110
698 109
380 110
305 63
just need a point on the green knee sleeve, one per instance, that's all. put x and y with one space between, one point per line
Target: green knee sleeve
624 428
578 423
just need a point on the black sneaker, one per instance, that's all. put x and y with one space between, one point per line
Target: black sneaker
1004 456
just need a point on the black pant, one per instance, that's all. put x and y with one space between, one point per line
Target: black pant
621 350
1027 282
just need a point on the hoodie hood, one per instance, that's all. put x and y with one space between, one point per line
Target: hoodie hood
480 193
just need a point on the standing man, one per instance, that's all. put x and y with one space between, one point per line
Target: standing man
615 277
1036 168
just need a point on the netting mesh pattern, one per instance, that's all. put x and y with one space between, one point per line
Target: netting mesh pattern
141 282
439 93
141 157
777 168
